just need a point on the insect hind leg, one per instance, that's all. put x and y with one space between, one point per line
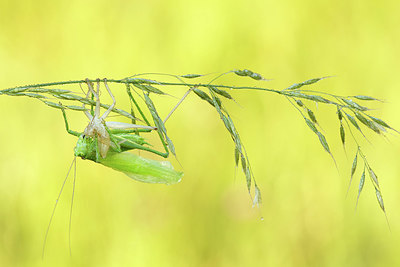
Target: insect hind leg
75 133
113 99
178 104
97 109
90 91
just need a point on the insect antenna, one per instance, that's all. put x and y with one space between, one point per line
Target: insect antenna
70 212
55 206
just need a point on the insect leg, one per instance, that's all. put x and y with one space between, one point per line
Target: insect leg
66 124
112 139
97 109
87 113
128 142
131 130
115 125
114 128
96 140
141 147
161 130
113 99
96 95
128 90
177 105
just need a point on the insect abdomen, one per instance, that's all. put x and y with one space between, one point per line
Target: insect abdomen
142 169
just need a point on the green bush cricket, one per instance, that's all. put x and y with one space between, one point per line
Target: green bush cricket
108 143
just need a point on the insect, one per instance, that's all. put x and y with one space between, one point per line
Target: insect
108 143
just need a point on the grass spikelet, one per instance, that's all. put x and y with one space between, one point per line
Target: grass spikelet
311 125
159 123
15 91
308 82
374 178
33 95
360 186
353 170
244 169
316 98
299 103
380 199
237 156
139 81
77 108
68 97
312 116
249 73
354 165
382 123
353 121
323 142
340 114
52 104
170 144
191 76
248 178
157 120
257 196
220 92
370 124
342 135
203 95
49 91
368 98
353 104
148 88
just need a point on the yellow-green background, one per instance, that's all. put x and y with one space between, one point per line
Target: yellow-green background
207 219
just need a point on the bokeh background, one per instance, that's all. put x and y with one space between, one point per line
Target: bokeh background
207 219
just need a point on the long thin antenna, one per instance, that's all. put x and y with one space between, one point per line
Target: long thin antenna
70 212
54 209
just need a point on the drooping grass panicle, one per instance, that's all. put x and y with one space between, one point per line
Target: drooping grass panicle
313 124
348 110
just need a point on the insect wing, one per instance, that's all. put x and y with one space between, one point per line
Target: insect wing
142 169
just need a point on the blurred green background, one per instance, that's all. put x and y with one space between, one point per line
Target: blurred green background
207 219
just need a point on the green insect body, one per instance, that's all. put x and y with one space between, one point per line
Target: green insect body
107 143
136 167
88 147
143 169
